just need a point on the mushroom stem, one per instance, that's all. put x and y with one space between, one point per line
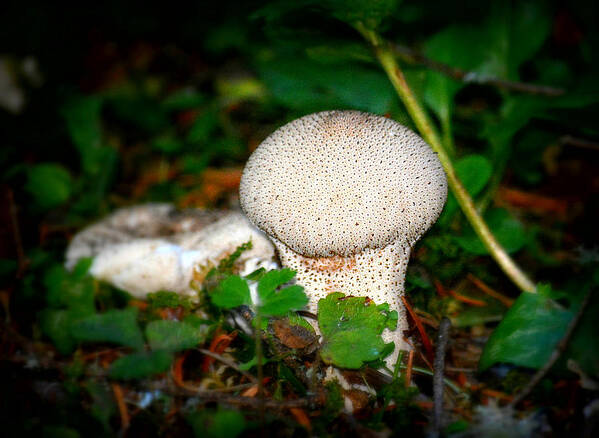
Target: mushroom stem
376 273
387 59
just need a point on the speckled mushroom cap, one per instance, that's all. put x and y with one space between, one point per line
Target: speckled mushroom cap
340 182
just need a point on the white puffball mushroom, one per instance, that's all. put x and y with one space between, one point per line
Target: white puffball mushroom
155 247
344 195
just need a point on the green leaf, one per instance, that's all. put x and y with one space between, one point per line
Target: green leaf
306 86
173 335
474 171
140 365
232 292
371 13
83 118
280 303
71 290
49 184
56 324
216 424
508 231
270 281
115 326
352 328
528 333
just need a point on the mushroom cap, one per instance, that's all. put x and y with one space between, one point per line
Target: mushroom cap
338 182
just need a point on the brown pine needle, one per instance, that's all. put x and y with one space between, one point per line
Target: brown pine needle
120 401
489 291
409 368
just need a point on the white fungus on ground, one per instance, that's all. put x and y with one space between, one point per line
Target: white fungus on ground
344 195
154 247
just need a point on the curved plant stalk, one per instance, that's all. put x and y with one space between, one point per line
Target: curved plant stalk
386 57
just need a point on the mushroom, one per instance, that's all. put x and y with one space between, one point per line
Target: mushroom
344 196
154 247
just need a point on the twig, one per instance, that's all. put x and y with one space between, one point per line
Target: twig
555 355
14 220
579 142
120 401
438 381
411 56
228 363
428 347
507 302
409 368
386 57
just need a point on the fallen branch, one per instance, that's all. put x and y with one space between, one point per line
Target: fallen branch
411 56
438 379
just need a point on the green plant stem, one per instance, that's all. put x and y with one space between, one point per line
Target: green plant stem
386 57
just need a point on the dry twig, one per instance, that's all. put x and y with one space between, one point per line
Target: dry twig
438 380
413 57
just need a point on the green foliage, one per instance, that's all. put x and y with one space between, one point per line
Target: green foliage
508 231
141 365
234 291
531 329
70 297
277 303
306 86
117 326
216 423
351 329
49 184
474 171
173 335
157 300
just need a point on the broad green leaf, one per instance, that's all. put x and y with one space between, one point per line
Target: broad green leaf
56 324
140 365
508 231
371 13
72 290
306 86
115 326
216 424
281 302
528 333
233 291
173 335
352 328
270 281
83 118
49 184
474 171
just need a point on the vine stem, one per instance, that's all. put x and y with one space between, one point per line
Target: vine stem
386 58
